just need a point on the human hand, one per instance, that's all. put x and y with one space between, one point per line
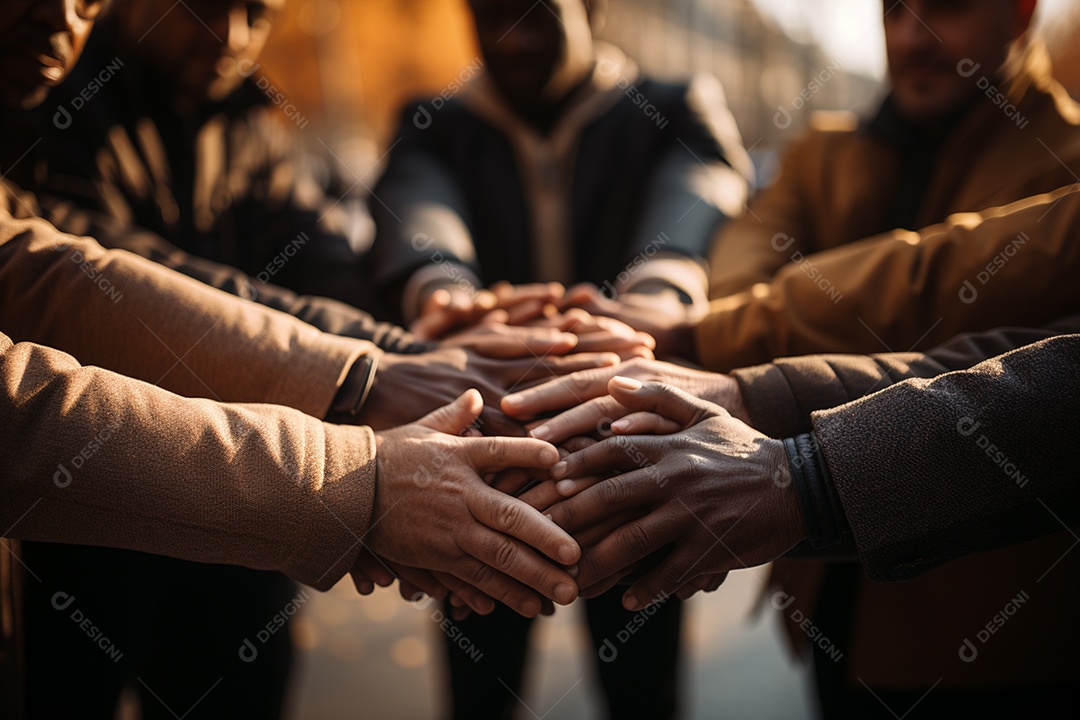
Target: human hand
453 308
408 386
434 510
596 333
662 315
585 393
370 570
718 493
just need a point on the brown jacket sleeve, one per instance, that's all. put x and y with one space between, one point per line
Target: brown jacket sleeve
908 291
753 246
92 457
120 312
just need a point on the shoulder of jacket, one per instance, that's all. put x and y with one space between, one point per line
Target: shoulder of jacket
833 121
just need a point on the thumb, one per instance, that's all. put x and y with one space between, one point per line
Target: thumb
457 416
664 400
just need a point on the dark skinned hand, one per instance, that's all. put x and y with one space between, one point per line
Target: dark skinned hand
715 496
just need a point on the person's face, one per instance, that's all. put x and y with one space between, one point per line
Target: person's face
203 49
926 40
40 41
535 52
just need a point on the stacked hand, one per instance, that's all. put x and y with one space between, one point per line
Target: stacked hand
661 484
462 316
714 496
438 525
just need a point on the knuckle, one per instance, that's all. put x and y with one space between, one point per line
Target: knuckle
637 539
481 575
505 554
508 515
613 491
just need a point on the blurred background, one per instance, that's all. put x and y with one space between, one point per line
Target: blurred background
347 66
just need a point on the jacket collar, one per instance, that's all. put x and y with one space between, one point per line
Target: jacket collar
612 73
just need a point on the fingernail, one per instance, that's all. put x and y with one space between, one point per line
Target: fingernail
625 383
630 602
541 433
559 470
565 594
620 426
511 400
568 553
564 487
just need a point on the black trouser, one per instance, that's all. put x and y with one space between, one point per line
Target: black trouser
100 619
638 665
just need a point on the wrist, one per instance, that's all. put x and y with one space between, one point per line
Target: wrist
818 503
355 389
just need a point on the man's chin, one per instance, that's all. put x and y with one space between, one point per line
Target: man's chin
20 99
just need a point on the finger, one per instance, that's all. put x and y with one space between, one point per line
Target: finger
598 589
628 545
494 421
637 352
465 595
583 295
703 583
577 444
512 519
559 393
524 311
515 342
455 417
513 481
492 454
419 580
364 585
662 399
543 495
615 454
683 565
499 586
644 423
508 294
554 367
435 320
610 497
605 342
370 570
594 416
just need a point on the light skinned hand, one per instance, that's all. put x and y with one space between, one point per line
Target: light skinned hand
455 307
661 315
433 510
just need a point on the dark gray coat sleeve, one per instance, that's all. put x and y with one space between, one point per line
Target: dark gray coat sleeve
327 315
781 395
929 471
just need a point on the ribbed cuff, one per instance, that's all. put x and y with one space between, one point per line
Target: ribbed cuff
354 391
819 504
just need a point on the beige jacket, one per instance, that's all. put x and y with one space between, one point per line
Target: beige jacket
139 452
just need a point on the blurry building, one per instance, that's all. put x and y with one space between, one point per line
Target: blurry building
773 81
